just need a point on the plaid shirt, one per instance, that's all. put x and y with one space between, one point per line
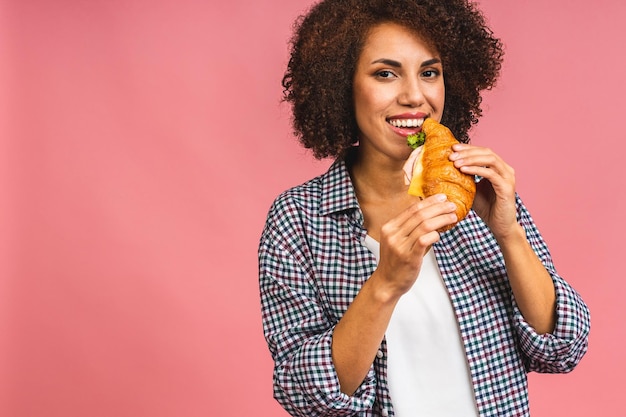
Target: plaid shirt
312 263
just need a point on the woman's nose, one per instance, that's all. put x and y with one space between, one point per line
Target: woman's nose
411 93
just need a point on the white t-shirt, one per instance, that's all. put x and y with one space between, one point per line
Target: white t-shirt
427 368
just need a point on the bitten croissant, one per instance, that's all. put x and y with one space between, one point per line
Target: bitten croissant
433 172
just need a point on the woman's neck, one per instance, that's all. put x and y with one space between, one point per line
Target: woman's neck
380 190
377 179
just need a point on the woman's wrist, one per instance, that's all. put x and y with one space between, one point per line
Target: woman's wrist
512 236
382 289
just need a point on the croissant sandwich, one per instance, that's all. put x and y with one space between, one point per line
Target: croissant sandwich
429 171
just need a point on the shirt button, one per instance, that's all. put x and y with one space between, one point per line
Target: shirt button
379 354
385 412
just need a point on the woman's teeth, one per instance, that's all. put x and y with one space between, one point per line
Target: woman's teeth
406 122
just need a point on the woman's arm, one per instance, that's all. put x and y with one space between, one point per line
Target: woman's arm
562 349
495 203
322 366
530 282
298 331
403 243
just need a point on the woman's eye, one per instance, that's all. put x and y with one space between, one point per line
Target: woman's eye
430 73
385 74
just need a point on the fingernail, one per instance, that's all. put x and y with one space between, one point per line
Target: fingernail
441 197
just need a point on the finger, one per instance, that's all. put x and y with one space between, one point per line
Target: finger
498 174
425 221
475 158
467 155
415 221
419 215
414 209
494 171
427 233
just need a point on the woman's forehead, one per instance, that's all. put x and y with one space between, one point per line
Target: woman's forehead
396 39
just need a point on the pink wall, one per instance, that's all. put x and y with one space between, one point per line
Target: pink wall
142 143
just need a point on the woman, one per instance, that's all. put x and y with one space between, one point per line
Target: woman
367 309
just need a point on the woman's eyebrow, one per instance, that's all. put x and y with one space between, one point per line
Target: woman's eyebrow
431 62
387 61
396 64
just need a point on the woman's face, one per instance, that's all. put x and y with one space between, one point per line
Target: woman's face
397 83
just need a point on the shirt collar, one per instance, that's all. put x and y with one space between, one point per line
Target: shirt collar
337 190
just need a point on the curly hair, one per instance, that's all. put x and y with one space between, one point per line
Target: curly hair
326 45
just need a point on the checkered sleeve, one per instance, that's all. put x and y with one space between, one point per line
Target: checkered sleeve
297 326
561 350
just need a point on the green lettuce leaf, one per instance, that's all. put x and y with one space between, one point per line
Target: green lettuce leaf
416 140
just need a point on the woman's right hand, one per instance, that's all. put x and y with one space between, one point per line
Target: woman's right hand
405 240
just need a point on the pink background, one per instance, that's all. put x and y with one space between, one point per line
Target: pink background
142 142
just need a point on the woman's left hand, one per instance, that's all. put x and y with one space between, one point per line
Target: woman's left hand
495 193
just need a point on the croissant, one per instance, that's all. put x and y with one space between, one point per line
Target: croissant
432 172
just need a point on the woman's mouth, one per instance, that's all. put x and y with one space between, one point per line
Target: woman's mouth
405 122
404 126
